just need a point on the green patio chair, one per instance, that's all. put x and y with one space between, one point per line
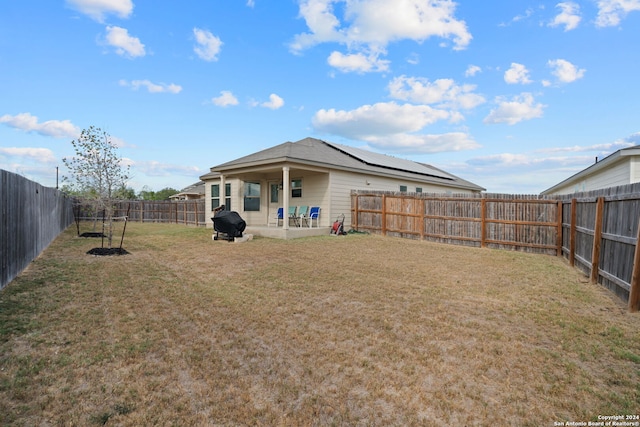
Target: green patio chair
302 214
292 214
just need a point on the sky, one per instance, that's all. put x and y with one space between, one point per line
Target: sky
514 96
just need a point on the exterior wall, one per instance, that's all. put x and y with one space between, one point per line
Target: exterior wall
634 172
236 201
619 173
315 192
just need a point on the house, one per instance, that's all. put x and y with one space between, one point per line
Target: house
619 168
192 192
312 172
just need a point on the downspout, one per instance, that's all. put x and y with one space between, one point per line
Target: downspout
223 196
285 196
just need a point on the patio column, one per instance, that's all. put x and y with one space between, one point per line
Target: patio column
285 197
223 196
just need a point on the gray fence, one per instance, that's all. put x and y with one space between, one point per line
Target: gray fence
31 217
600 238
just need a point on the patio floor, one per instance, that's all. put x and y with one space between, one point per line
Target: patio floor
291 233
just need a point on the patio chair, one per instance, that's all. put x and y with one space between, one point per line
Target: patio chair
314 213
292 215
276 217
302 215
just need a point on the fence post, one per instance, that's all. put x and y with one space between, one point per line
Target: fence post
634 293
421 217
355 214
384 215
559 230
572 232
597 240
483 224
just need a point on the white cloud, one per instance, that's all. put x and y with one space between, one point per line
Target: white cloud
611 12
421 143
225 99
526 15
472 70
274 102
207 45
565 71
444 92
368 26
358 62
42 155
522 107
378 119
29 123
630 141
155 168
518 73
569 16
152 87
393 127
125 44
98 9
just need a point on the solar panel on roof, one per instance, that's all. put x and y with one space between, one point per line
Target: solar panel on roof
386 161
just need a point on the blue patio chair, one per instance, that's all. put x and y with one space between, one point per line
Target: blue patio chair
279 215
314 213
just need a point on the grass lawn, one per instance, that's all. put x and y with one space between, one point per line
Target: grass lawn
350 330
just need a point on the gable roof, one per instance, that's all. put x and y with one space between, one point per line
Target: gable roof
315 152
598 166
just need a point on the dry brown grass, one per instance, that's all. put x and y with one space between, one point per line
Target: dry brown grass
353 330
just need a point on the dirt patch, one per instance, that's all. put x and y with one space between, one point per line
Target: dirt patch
107 251
92 234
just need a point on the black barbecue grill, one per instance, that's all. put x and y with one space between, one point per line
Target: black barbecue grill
227 224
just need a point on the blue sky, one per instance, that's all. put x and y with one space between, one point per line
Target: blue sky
514 96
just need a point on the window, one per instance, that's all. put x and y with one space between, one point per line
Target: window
296 188
273 198
403 188
215 196
418 189
251 196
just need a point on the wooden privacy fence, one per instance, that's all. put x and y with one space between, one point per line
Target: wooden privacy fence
487 220
31 217
187 212
600 238
598 233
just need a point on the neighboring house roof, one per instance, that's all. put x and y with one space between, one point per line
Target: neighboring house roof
598 167
315 152
196 189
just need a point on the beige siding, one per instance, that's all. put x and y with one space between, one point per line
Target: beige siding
315 192
236 202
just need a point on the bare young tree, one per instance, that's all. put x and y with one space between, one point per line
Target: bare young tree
97 172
